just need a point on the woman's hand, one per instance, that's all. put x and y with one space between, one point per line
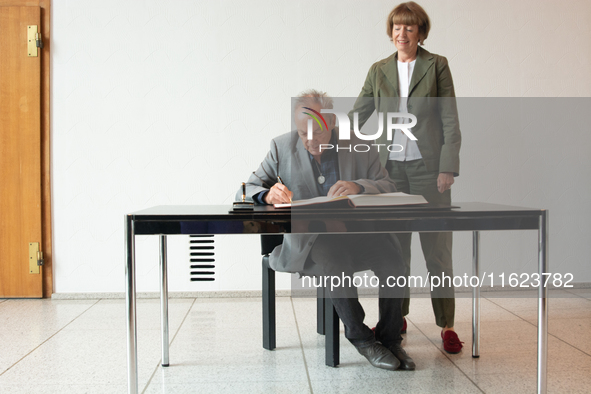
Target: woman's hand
444 181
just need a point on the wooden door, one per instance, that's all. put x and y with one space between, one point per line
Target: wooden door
20 153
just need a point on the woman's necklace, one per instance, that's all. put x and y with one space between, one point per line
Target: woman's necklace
321 179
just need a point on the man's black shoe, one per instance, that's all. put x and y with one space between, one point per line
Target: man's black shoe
406 362
379 356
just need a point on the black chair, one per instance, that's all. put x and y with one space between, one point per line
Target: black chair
327 323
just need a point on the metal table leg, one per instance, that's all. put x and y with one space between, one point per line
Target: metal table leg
132 383
164 300
542 302
475 296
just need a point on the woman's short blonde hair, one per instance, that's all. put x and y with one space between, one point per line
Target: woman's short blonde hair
410 13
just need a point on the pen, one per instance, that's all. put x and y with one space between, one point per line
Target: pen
281 181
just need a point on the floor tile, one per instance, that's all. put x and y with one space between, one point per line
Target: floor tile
238 312
61 389
220 343
421 311
112 315
576 332
297 387
17 344
585 293
80 347
96 344
494 336
401 382
26 324
558 308
85 357
526 382
43 315
510 358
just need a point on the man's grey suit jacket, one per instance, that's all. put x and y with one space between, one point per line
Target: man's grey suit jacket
289 159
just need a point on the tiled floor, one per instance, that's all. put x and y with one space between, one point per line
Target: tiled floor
59 346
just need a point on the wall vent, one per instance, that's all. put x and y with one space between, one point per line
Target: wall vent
202 258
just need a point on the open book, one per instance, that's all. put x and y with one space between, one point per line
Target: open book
360 200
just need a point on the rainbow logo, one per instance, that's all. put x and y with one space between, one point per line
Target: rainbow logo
316 118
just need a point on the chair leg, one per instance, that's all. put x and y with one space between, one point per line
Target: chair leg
320 311
269 333
332 351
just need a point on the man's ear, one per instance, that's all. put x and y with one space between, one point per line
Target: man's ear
331 120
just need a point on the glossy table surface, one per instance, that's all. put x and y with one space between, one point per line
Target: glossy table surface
219 219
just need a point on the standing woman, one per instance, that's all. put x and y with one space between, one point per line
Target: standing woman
419 82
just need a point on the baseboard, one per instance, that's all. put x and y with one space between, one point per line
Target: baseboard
415 291
171 294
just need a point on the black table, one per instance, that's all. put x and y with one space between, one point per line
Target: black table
475 217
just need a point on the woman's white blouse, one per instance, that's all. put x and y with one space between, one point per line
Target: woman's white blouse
411 149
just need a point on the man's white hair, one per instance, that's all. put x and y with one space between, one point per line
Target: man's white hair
313 96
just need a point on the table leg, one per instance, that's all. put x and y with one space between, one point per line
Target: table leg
320 310
476 295
331 337
132 383
269 319
164 299
542 303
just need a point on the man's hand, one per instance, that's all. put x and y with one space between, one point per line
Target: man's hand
344 188
278 194
444 181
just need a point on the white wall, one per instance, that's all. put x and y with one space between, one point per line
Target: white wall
174 102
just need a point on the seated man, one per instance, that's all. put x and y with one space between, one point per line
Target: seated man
298 168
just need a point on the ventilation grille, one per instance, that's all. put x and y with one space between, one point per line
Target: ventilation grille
202 258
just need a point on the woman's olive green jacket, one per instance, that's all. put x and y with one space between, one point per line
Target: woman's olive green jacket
431 99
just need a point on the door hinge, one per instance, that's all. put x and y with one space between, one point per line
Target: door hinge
38 41
35 41
35 258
